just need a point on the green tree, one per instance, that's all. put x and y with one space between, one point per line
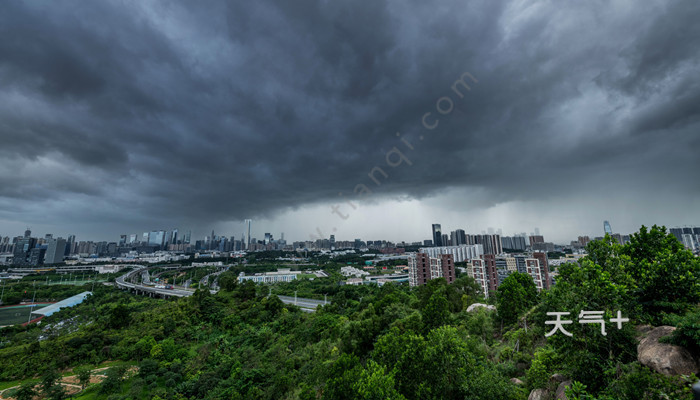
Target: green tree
375 384
592 287
436 312
667 275
57 392
228 281
26 392
119 316
84 375
48 380
343 374
516 294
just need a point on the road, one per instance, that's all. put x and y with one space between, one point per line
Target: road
123 283
308 305
302 302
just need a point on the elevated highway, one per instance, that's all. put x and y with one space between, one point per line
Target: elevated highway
123 282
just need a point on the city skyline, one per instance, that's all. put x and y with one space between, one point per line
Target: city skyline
187 236
322 119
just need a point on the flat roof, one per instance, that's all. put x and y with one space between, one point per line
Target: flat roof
69 302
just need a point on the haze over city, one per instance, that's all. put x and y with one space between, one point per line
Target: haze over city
124 117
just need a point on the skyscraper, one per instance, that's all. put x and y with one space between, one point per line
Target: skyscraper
437 235
607 228
247 222
55 251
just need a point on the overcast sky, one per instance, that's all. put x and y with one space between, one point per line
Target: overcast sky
125 116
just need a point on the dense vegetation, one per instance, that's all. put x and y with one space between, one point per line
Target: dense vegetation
389 342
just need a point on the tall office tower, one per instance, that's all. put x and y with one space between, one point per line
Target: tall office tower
678 233
696 231
174 238
144 239
188 238
507 242
332 241
247 223
56 251
688 241
461 237
607 228
122 242
437 235
27 233
48 236
268 238
70 245
167 239
453 239
22 249
282 236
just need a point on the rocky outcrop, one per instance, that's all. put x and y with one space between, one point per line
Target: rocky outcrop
538 394
664 358
478 305
560 394
517 381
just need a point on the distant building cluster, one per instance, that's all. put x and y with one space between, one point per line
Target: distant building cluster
690 237
281 275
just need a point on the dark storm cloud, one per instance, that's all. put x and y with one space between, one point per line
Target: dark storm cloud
226 110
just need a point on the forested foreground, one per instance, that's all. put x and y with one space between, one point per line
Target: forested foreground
392 342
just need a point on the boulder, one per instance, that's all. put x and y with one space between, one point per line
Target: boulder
560 394
517 381
557 378
477 305
538 394
665 358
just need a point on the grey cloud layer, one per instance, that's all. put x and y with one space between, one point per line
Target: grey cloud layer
227 110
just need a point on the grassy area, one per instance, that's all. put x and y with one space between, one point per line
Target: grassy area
17 314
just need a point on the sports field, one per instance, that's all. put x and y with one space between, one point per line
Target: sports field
17 314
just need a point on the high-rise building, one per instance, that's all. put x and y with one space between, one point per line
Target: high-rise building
536 239
70 245
437 235
27 233
458 253
248 223
678 233
156 238
36 256
607 228
688 241
422 268
541 257
55 251
461 237
20 255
